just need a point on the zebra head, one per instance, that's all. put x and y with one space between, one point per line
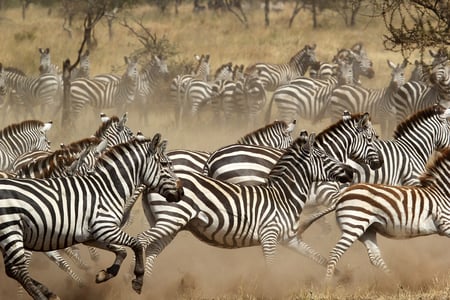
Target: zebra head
344 71
439 57
397 74
114 130
45 62
440 78
168 184
323 166
364 63
364 146
131 72
160 64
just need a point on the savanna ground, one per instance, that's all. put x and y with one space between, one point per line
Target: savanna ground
189 269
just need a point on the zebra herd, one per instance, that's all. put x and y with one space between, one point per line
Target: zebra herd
250 193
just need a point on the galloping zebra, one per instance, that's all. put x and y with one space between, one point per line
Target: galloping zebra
105 91
307 98
406 155
414 96
274 75
398 212
233 216
27 93
351 138
378 102
19 138
49 214
276 134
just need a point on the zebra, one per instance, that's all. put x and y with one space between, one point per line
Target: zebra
84 67
233 216
405 156
105 91
352 137
3 89
308 98
322 70
19 138
198 92
422 70
277 134
250 98
149 77
378 102
41 214
398 212
180 82
414 96
364 65
274 75
29 92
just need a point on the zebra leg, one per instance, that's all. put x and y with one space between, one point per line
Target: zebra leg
118 237
269 241
18 270
298 245
369 239
56 257
74 254
346 240
155 240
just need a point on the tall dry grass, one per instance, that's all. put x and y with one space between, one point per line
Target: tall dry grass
189 269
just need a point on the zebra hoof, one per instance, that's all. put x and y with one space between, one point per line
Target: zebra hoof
137 285
102 276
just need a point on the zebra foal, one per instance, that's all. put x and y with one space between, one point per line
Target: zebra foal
55 213
398 212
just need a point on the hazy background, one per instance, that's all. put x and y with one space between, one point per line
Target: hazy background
189 269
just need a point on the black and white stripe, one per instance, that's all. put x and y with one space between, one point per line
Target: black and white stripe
49 214
378 102
274 75
398 212
20 138
307 98
105 91
232 216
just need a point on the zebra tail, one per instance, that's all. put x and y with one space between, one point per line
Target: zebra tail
313 218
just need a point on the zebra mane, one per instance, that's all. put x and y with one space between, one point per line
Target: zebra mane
111 153
45 167
418 116
222 67
82 144
28 125
300 54
256 132
105 125
433 170
15 71
338 124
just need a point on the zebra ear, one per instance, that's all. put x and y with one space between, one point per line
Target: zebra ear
290 127
122 121
155 143
47 126
363 121
163 146
308 142
391 64
346 115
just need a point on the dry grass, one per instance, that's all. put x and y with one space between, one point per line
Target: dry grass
188 269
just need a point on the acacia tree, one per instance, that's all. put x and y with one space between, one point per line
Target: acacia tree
414 24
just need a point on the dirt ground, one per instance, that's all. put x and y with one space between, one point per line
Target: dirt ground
189 269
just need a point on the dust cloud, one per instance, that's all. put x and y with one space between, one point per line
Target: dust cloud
190 269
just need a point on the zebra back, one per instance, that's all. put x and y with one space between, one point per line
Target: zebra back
276 135
274 75
19 138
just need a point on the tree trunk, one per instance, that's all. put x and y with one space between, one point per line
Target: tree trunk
66 105
266 12
314 13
